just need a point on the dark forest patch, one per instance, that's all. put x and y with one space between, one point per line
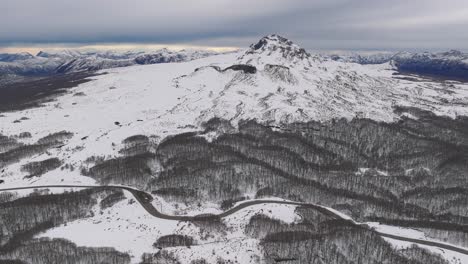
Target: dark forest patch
319 239
32 93
174 241
24 217
40 167
45 250
131 170
20 151
112 199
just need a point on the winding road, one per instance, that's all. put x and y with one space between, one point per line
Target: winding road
145 200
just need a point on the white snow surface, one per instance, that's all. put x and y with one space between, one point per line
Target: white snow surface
127 227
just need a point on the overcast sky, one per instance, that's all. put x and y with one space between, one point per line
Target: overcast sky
314 24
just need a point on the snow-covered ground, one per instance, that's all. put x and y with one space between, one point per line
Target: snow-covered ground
127 227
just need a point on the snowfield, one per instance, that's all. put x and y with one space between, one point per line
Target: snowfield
127 227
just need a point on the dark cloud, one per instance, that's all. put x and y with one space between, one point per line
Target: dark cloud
316 24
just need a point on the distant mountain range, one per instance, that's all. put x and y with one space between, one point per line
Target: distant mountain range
19 65
451 64
446 65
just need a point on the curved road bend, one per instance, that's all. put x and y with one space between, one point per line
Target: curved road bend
145 200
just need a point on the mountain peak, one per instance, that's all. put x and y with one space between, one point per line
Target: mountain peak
454 53
274 49
274 40
59 53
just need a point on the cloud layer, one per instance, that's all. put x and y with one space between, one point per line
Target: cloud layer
315 24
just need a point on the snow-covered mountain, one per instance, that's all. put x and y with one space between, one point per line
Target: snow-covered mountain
69 61
287 84
98 61
363 57
268 122
9 57
451 64
282 84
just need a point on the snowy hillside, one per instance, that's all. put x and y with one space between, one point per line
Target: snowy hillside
288 85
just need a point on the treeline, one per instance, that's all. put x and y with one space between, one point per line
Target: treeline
40 167
131 171
341 247
45 250
8 143
135 168
208 171
320 239
322 163
174 241
111 199
138 144
162 257
21 151
455 237
24 217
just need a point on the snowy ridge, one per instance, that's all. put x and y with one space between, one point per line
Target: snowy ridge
66 61
452 64
9 57
383 57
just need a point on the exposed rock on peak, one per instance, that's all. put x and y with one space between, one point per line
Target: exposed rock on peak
274 49
273 39
281 73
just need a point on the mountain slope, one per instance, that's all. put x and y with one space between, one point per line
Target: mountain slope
171 98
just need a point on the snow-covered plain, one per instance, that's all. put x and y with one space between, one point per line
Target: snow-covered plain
127 227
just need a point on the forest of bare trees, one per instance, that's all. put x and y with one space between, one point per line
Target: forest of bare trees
411 174
21 218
